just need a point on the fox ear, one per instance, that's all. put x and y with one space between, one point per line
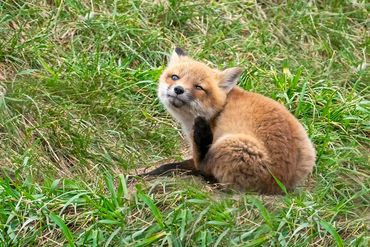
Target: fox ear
176 54
230 78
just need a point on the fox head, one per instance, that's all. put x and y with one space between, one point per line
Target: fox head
191 88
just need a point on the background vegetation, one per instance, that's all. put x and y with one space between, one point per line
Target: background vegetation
78 112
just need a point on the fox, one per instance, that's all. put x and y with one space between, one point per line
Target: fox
240 139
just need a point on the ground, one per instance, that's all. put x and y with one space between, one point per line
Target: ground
78 112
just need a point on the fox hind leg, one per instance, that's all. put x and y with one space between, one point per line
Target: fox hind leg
183 167
203 138
186 166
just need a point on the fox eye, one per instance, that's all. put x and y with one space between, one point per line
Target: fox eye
175 77
199 87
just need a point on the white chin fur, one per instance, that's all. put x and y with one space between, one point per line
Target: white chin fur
193 108
184 114
162 95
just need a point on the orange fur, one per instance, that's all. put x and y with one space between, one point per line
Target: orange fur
254 138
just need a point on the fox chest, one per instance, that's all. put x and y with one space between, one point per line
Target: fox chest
186 121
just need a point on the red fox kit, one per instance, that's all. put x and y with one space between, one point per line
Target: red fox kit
238 138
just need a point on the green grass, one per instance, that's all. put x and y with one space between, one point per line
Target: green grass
78 112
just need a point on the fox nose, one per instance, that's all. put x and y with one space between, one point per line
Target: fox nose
179 90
